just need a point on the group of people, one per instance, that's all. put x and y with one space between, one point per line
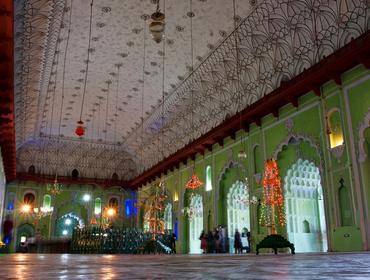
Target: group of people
217 241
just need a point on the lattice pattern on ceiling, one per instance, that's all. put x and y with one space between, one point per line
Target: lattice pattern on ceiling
92 160
277 40
117 38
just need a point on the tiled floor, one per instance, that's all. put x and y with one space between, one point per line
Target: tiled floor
295 267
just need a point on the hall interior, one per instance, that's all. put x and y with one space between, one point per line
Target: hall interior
184 126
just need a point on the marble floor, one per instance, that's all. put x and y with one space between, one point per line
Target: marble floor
264 266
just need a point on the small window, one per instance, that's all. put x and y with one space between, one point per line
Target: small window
306 227
10 202
31 170
258 163
29 198
335 130
168 217
115 177
113 202
208 178
47 201
75 174
130 208
97 208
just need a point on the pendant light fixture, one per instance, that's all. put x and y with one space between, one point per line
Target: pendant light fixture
162 184
241 154
80 128
194 181
144 17
157 26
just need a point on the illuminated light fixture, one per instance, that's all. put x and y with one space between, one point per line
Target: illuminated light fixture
80 129
68 222
176 197
45 210
65 232
111 212
157 26
54 188
86 197
93 221
194 182
242 154
26 208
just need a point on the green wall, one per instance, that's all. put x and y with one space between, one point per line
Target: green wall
297 133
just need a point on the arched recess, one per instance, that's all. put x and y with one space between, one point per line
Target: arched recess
75 174
24 233
344 202
66 223
46 203
208 178
97 206
229 175
304 207
364 164
288 153
69 208
335 128
31 170
238 212
257 159
168 216
195 223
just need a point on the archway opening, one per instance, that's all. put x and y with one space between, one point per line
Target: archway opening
168 217
66 223
195 223
238 215
25 234
304 206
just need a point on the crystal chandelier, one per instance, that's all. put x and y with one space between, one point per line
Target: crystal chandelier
55 188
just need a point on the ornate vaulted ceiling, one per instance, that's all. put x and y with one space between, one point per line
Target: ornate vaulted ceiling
51 53
275 41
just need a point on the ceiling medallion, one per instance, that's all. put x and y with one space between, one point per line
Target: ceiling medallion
157 25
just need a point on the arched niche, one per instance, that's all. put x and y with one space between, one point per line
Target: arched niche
304 207
344 203
335 129
301 163
227 177
75 174
257 159
208 178
31 170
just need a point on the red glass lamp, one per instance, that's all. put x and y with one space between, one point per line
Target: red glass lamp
80 129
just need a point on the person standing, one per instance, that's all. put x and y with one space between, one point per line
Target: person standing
237 242
173 243
203 242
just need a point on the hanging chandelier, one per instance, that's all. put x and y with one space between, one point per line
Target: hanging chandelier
194 182
80 129
55 188
157 26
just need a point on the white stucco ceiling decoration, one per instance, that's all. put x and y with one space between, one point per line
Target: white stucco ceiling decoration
117 38
277 40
